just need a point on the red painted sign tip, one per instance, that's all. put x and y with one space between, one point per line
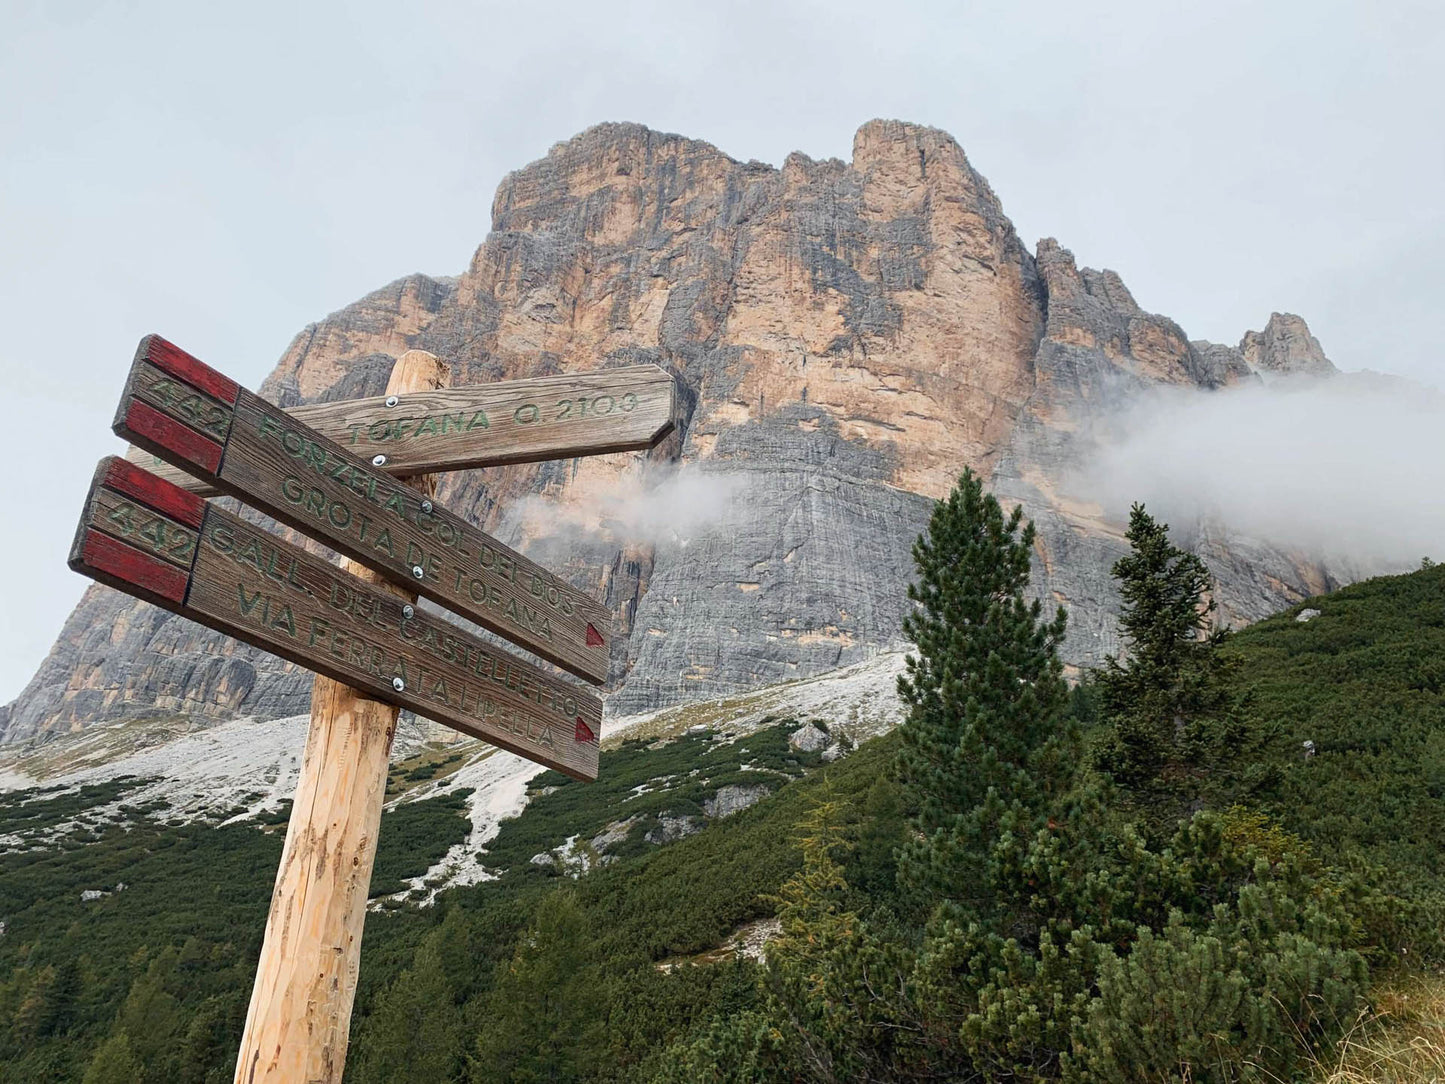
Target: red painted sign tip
129 565
125 477
143 422
594 638
166 355
584 732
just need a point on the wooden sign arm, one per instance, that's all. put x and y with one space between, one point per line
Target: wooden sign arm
187 413
510 421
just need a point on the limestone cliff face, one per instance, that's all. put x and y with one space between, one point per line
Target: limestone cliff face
847 337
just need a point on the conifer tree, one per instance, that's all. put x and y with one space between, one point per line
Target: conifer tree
543 1018
836 988
115 1063
1170 710
810 960
415 1029
987 745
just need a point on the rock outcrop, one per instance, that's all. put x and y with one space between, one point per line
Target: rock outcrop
734 798
1285 346
847 338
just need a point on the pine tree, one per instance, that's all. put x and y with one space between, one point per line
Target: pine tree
1170 712
988 742
114 1063
414 1030
543 1020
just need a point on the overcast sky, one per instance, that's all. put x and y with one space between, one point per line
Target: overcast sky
225 174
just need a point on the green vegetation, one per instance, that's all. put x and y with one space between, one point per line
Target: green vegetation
1143 879
1050 922
1364 682
156 972
417 836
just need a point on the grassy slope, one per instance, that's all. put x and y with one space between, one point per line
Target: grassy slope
1363 681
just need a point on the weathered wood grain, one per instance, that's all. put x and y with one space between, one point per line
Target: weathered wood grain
248 583
510 421
123 477
132 522
298 1021
274 462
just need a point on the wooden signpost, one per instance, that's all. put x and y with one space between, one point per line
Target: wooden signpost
511 421
156 541
185 412
327 471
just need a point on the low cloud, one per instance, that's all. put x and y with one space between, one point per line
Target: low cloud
660 506
1351 467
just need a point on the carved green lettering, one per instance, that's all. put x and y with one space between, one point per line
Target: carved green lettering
121 517
251 555
246 604
286 622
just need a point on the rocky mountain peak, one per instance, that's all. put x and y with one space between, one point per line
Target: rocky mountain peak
1285 346
847 337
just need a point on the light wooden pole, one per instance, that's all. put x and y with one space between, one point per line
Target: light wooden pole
299 1021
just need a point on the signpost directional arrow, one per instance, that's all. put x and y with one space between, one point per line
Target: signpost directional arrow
511 421
195 418
142 535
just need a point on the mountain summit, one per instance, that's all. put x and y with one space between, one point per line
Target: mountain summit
848 336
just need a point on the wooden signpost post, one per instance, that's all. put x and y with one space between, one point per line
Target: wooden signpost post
319 470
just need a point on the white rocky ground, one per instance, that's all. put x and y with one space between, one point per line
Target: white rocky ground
858 702
499 781
246 767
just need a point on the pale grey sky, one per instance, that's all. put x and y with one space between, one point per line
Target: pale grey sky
225 174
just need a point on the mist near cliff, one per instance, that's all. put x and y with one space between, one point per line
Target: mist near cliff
1350 467
655 506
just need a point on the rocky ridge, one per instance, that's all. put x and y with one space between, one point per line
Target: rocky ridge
846 337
